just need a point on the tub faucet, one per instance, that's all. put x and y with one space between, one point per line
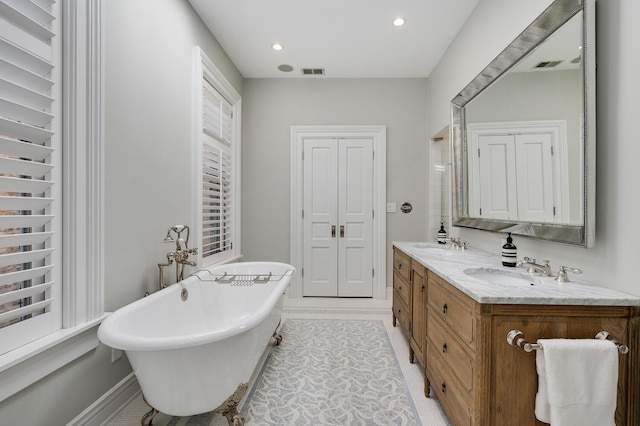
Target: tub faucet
182 252
533 267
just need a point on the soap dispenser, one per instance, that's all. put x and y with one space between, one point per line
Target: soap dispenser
442 234
509 252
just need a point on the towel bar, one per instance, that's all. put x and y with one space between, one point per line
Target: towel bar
516 338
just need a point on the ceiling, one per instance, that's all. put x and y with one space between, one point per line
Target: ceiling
346 38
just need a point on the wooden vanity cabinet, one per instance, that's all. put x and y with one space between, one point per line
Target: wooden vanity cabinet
481 380
402 291
418 336
514 381
452 333
410 303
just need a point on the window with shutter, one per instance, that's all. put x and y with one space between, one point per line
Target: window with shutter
45 321
29 173
217 147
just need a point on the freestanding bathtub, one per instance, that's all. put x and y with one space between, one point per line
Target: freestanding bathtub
193 343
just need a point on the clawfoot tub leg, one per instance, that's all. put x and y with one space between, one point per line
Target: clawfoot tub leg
277 335
147 419
229 408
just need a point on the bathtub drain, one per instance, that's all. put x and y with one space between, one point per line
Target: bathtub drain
184 294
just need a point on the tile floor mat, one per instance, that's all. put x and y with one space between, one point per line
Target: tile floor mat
331 372
325 372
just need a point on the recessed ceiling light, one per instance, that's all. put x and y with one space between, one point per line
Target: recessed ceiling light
398 22
277 46
285 68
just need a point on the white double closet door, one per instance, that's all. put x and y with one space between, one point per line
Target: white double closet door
338 217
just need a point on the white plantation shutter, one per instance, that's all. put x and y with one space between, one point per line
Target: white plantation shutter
216 200
217 114
217 167
28 182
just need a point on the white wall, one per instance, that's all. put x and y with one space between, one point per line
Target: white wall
490 28
272 106
148 180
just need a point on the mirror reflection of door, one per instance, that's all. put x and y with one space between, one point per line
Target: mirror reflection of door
338 219
518 172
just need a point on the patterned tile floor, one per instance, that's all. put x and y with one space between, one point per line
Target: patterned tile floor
428 409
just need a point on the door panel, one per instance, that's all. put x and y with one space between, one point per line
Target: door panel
320 215
497 169
355 208
534 174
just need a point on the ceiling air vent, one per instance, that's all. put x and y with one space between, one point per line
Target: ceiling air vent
548 64
312 71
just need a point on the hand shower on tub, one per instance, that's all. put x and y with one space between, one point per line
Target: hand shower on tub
181 254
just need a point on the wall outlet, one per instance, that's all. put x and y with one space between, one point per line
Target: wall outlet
391 207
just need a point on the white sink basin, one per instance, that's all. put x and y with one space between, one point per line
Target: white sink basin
433 250
442 251
503 277
431 246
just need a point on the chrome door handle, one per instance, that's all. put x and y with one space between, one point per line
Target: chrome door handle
333 231
341 231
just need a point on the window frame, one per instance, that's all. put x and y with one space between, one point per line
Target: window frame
204 68
81 109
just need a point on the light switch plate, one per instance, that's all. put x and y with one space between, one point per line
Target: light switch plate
391 207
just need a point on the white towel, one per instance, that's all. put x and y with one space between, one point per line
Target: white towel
577 382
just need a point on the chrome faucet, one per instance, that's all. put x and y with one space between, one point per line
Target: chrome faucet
456 243
562 274
181 255
533 267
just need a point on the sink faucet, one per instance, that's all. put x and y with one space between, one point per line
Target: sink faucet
456 243
533 267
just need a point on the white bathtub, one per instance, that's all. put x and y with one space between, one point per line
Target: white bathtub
190 356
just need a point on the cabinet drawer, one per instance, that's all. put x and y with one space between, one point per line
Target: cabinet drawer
455 404
402 313
402 288
452 351
401 264
455 311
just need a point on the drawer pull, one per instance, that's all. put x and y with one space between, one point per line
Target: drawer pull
444 348
444 308
399 287
423 288
444 387
399 266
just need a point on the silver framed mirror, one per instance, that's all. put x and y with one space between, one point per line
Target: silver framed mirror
523 133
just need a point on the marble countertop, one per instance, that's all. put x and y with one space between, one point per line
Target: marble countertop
482 277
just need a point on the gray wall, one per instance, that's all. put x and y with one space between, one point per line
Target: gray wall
272 106
148 180
490 28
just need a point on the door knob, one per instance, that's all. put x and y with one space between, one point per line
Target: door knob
333 231
341 231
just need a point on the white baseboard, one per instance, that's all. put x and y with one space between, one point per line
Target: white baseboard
109 404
